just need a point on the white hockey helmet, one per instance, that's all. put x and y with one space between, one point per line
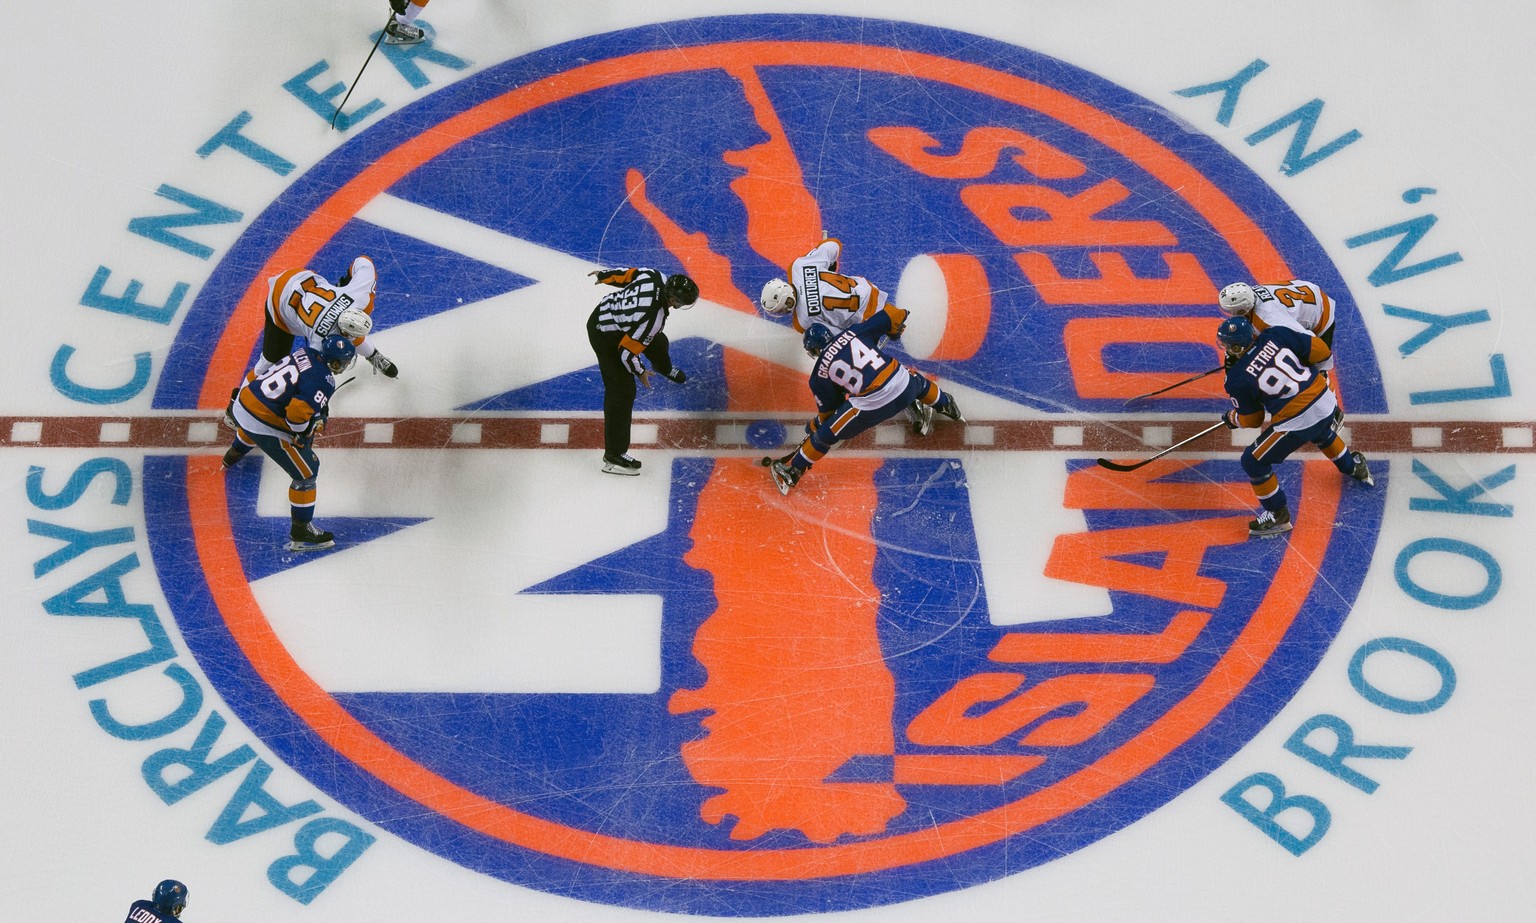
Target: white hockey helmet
778 297
354 322
1236 299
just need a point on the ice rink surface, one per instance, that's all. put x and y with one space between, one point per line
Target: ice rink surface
973 677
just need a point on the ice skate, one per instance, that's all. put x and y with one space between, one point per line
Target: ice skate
950 409
402 33
784 476
1362 472
1268 525
921 416
621 464
305 537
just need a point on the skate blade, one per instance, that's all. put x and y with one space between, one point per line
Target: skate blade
1269 533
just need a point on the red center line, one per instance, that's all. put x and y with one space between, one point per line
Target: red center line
200 432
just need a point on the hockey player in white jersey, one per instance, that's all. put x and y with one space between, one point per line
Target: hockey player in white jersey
303 308
1297 304
816 293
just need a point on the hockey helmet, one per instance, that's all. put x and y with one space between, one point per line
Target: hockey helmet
778 297
354 322
170 897
338 353
1237 299
817 338
1236 333
682 291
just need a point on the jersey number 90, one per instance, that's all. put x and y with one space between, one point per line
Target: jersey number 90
1284 375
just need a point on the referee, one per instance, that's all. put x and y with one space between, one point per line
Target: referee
624 326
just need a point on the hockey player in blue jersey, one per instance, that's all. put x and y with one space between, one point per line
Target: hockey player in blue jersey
856 386
1273 373
164 906
281 413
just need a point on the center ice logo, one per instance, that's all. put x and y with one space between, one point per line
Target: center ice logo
864 693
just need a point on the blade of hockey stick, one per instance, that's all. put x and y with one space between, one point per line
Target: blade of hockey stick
1177 384
360 70
1116 466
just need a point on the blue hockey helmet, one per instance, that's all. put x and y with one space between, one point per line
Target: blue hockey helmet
338 352
170 897
817 338
1236 333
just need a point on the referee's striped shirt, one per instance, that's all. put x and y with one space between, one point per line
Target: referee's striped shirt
637 310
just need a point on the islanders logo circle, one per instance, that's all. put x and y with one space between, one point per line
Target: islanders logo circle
935 663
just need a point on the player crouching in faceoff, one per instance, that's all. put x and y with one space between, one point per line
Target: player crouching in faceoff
281 413
817 291
302 306
856 386
1273 373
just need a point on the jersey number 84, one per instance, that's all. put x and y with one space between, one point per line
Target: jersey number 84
848 377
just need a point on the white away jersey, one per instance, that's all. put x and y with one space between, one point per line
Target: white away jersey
1297 304
823 295
306 305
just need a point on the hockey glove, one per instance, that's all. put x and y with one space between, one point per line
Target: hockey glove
316 426
1230 419
632 361
382 364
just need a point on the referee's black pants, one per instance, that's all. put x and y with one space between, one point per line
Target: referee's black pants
619 383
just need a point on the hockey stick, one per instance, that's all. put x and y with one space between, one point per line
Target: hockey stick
360 70
1177 384
1115 466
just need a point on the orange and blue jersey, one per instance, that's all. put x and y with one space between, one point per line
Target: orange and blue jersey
853 369
289 399
858 386
1277 376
